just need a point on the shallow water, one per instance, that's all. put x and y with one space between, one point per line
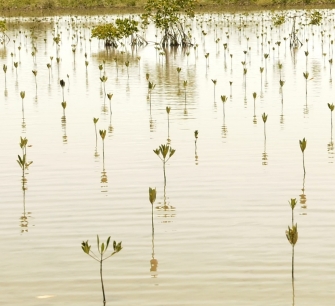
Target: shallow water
220 240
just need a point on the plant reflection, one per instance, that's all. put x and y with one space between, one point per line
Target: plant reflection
63 121
165 208
24 219
303 198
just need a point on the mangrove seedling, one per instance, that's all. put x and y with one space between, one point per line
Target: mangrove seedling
292 237
103 80
49 67
331 107
35 74
214 82
16 64
264 117
127 65
95 121
62 84
306 75
64 107
4 68
23 145
152 199
178 70
164 152
23 163
117 247
224 100
151 87
303 144
103 135
22 95
110 96
196 133
261 69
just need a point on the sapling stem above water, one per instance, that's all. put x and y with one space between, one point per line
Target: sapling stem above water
102 249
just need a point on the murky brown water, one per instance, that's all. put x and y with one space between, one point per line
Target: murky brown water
220 226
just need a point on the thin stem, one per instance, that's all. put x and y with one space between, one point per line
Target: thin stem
292 262
102 282
303 161
164 172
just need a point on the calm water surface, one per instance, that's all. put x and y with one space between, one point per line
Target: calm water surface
220 222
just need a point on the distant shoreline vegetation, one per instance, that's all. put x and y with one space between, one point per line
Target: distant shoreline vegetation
54 7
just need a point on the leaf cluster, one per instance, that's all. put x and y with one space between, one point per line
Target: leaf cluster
2 26
115 31
166 13
102 248
164 150
278 19
315 18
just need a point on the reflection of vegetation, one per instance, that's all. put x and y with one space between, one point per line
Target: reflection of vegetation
102 250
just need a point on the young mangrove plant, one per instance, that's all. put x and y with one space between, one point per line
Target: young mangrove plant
264 117
303 144
127 65
224 100
117 247
62 84
178 70
306 75
35 75
152 199
153 261
281 83
103 80
214 82
254 95
4 68
23 163
64 107
110 96
331 107
292 236
151 87
95 121
22 95
164 152
103 135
